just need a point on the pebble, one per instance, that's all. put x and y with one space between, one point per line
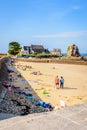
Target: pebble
17 103
14 103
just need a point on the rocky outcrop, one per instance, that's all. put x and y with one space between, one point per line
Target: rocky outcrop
3 76
3 70
73 50
17 100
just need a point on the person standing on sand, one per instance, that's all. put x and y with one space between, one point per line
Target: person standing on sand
61 82
56 82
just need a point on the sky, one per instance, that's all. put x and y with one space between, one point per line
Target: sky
51 23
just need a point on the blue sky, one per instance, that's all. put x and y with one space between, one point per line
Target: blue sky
51 23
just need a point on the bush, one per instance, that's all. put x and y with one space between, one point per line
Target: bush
41 55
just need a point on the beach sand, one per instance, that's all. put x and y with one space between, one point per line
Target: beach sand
75 85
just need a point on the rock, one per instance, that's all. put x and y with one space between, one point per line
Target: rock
73 50
15 101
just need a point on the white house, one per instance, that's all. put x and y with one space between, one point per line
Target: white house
24 50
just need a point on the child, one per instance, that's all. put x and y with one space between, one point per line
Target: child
56 82
61 82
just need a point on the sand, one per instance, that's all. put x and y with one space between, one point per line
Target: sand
75 85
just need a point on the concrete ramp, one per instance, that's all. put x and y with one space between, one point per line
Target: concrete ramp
4 116
70 118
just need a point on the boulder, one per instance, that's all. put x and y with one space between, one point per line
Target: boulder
73 50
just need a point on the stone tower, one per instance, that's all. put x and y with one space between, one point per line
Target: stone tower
73 50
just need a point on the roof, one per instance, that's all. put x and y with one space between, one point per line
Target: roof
26 48
38 47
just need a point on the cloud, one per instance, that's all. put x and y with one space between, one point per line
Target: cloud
63 35
76 7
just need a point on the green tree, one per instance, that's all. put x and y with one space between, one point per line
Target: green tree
14 48
68 48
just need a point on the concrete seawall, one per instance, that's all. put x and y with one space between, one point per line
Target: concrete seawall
70 118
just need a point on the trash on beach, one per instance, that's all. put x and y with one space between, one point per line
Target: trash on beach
5 84
55 108
29 96
9 89
19 75
43 92
36 73
53 67
62 103
48 95
29 80
35 81
45 105
25 111
15 79
24 81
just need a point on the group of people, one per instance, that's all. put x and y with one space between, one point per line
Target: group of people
59 82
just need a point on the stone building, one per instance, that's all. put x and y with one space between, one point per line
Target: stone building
56 51
33 49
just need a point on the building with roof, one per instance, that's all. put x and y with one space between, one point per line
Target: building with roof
33 49
25 50
56 51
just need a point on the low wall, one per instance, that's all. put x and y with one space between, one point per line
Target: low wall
59 61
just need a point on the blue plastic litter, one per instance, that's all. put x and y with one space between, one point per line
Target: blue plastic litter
30 96
45 105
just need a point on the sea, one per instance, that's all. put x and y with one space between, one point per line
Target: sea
81 54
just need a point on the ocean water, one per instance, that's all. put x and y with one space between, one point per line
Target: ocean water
83 54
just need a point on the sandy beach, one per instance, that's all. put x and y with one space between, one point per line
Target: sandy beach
75 85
